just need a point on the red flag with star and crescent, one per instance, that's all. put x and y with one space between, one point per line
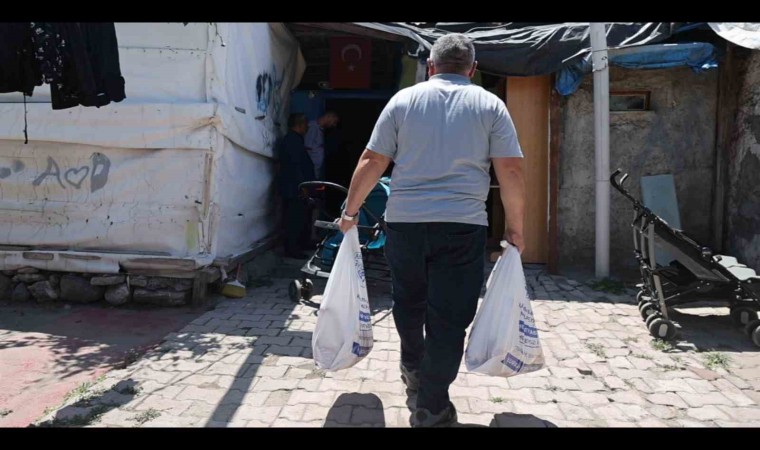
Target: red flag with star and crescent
350 63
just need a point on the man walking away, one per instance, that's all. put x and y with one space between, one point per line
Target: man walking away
443 136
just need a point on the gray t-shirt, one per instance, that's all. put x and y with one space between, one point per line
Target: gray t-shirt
442 134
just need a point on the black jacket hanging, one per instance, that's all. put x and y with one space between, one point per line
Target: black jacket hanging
48 49
103 50
80 62
19 71
91 72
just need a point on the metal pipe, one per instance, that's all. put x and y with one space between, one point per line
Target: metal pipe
601 146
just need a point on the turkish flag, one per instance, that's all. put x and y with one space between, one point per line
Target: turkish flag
350 63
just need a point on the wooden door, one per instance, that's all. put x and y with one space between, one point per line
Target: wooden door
528 103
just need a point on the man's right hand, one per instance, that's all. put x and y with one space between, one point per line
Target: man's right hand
515 239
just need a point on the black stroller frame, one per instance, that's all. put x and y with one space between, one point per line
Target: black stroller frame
303 289
695 275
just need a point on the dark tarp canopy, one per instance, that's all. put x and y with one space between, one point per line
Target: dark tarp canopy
528 49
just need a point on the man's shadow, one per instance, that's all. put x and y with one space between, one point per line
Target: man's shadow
512 420
366 410
356 410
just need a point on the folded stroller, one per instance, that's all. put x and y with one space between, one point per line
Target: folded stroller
371 227
696 274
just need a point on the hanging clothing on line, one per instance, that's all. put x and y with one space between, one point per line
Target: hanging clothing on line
80 62
91 73
19 71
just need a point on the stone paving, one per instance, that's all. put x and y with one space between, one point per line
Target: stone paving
247 363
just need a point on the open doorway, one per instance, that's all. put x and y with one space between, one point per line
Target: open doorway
348 140
353 72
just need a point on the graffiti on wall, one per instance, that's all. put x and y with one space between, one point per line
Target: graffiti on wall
16 167
73 177
268 95
263 91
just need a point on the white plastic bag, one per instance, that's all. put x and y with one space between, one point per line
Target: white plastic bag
343 335
504 340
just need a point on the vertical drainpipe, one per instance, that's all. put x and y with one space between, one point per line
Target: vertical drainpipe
601 146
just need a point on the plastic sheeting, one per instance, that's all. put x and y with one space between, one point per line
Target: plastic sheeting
123 125
89 198
520 49
526 49
238 79
245 198
176 176
745 34
699 56
253 74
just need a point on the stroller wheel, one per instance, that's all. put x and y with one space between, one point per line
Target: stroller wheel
647 309
643 296
662 328
742 315
651 317
308 289
294 291
753 330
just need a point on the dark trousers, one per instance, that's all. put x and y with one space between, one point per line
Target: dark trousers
438 272
297 224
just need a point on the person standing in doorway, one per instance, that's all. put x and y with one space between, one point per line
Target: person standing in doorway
315 145
443 136
296 167
315 141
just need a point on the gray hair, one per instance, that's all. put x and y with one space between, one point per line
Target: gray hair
454 52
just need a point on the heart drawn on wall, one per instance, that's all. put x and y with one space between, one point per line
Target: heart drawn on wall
76 177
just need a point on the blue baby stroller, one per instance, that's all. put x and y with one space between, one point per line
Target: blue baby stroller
372 235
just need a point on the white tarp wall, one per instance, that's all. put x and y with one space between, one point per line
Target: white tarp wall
180 169
260 66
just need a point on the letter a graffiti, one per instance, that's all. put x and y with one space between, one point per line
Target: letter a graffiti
50 172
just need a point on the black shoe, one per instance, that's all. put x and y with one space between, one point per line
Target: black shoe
411 378
422 418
